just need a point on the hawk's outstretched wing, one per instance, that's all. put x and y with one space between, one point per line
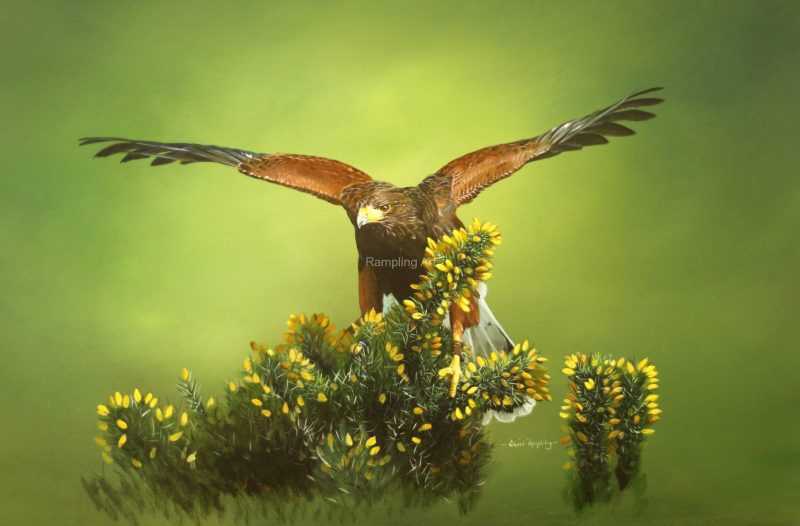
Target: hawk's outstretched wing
324 178
471 173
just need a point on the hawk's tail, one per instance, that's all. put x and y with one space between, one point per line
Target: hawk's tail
487 336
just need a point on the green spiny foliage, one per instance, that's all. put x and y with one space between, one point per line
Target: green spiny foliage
454 266
344 417
608 409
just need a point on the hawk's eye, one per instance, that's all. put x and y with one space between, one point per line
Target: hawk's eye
385 208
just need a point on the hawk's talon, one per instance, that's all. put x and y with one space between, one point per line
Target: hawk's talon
454 370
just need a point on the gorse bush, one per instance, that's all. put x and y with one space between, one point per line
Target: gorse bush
366 415
340 417
609 410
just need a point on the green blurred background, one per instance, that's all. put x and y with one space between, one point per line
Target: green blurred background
680 243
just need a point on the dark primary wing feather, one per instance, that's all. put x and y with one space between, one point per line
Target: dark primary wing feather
165 153
471 173
324 178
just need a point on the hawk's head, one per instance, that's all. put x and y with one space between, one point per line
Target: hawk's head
386 208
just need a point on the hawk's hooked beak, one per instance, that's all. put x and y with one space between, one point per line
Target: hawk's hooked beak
368 214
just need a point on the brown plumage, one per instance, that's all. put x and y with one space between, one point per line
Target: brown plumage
392 224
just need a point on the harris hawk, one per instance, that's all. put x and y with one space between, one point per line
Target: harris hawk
392 224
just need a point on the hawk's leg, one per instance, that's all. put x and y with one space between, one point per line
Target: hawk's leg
458 320
370 297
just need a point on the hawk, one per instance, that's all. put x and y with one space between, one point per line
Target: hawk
392 224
